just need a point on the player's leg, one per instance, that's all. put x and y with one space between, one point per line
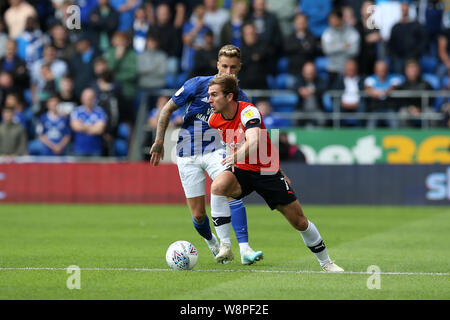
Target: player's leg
224 185
294 214
193 181
238 211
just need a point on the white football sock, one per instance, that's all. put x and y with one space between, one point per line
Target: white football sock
314 242
243 246
221 217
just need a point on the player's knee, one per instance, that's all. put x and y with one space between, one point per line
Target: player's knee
219 189
199 216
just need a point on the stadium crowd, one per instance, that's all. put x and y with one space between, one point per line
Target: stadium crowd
74 88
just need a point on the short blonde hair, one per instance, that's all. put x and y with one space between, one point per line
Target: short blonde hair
230 51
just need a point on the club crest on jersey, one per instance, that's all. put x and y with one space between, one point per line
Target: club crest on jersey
249 114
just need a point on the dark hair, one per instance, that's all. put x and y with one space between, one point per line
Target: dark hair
337 11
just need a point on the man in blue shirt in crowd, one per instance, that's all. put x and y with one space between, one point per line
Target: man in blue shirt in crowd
199 149
53 130
88 122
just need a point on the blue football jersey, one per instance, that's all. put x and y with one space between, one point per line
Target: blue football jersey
54 128
194 137
85 143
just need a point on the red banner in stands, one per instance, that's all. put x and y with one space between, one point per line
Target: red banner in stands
90 183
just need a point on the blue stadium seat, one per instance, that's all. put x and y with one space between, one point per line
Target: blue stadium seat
181 79
445 82
327 102
428 64
321 64
271 82
123 131
282 65
432 79
285 103
120 148
285 81
171 81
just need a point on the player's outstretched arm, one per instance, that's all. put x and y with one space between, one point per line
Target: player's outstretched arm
157 150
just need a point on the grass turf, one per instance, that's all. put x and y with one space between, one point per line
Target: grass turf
396 239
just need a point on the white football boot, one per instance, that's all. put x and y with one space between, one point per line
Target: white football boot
225 254
249 256
332 267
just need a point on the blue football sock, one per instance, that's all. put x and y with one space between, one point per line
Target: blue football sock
239 220
203 228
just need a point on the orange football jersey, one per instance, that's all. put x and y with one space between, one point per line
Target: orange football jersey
233 134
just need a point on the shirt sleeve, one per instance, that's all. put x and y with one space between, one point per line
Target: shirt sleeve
185 93
242 96
250 117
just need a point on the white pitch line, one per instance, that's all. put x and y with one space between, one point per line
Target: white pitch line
230 270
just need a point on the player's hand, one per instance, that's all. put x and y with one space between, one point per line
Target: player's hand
228 161
157 153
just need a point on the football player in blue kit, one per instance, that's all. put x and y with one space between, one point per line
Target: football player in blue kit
199 150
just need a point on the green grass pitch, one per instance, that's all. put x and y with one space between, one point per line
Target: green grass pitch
121 252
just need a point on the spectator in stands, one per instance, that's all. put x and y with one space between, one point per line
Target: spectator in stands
205 59
412 107
6 86
351 83
176 119
378 86
14 100
348 16
58 67
408 40
126 9
67 98
152 65
122 61
215 18
53 130
300 46
60 40
310 89
140 30
177 11
16 66
193 37
13 139
31 42
268 30
88 122
109 98
3 38
339 43
444 53
370 38
284 11
317 12
100 66
288 151
47 87
270 120
169 37
82 64
231 32
103 22
16 17
254 60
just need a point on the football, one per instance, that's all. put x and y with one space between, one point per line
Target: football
181 255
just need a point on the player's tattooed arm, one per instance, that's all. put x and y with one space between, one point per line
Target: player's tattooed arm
157 150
